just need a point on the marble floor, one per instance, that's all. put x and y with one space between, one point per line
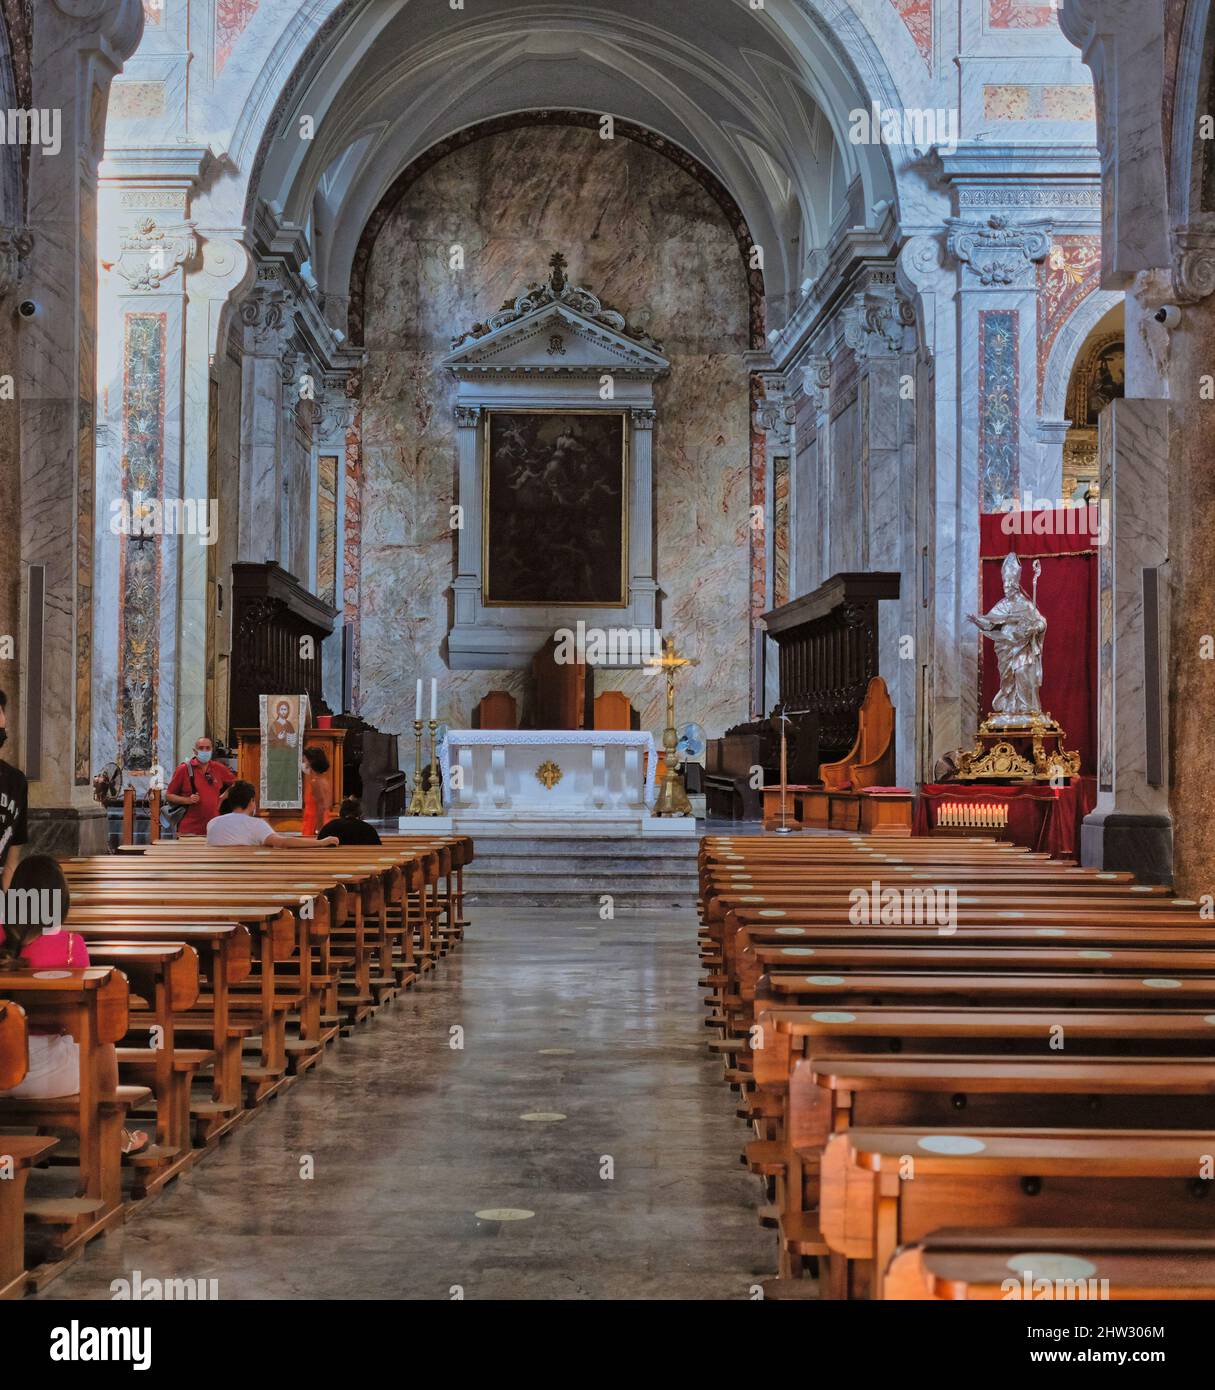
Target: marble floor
365 1180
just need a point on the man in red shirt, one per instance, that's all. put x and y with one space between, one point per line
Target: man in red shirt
198 785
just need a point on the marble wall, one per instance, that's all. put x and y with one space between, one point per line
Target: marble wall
471 232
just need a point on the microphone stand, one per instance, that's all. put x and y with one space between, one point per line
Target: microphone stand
783 828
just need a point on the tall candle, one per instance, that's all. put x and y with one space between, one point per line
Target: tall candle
417 705
434 697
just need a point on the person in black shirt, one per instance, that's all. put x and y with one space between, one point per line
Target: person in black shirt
350 828
14 802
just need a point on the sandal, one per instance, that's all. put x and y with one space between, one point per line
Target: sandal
133 1140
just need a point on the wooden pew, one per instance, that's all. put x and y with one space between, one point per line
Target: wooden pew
91 1005
224 952
886 1187
959 1264
18 1154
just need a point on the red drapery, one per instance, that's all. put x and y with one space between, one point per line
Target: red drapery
1040 817
1067 597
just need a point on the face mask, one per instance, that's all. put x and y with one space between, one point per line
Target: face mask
203 755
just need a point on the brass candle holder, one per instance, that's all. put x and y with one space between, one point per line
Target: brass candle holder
417 802
433 801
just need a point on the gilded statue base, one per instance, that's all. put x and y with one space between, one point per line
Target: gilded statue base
1029 751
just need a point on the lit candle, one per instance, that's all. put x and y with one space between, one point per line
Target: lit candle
434 697
417 704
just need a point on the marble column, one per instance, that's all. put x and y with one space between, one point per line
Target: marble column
268 320
775 419
946 509
334 421
78 46
643 591
146 245
14 247
1131 827
466 586
874 328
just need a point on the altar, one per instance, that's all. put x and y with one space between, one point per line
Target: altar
558 781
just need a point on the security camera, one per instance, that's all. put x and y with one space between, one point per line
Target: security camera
1168 314
29 309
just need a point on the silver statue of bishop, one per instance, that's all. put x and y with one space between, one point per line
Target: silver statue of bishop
1016 629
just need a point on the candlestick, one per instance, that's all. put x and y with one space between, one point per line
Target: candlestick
434 797
417 802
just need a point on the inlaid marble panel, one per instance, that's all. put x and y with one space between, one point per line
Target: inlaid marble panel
231 19
646 237
1038 101
917 16
1020 14
999 408
140 563
1070 272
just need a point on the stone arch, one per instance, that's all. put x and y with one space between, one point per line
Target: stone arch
1071 338
625 129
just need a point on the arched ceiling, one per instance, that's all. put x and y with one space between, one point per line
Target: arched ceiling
759 98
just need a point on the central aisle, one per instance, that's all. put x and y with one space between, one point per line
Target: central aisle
637 1193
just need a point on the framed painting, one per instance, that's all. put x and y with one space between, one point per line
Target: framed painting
284 719
555 508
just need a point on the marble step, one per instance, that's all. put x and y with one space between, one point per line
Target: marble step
584 884
533 864
618 847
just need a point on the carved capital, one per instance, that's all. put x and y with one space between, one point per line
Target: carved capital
151 254
468 417
775 413
268 318
15 246
642 418
337 407
874 322
997 252
816 380
1193 263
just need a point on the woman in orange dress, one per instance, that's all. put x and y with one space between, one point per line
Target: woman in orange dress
318 791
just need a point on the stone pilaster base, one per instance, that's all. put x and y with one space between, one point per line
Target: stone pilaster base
63 830
1141 844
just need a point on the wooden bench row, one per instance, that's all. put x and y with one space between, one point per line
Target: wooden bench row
1016 1099
223 975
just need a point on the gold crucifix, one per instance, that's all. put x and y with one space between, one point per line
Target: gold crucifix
672 799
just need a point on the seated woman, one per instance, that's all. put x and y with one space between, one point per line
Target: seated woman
350 828
318 791
41 944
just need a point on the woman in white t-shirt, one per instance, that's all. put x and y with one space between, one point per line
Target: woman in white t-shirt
241 825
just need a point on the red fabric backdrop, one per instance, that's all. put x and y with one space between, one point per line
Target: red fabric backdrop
1040 817
1067 597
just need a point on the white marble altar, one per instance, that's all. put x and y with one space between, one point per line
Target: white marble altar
492 781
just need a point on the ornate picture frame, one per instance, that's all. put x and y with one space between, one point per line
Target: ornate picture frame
556 508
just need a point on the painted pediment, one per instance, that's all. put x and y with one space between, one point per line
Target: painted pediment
555 328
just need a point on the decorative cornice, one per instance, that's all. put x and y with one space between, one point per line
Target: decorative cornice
997 252
557 290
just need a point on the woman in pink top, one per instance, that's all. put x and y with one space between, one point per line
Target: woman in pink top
42 944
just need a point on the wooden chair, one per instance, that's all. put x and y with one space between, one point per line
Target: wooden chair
613 710
870 760
496 711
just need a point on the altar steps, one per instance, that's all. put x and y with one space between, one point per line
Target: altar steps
636 872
